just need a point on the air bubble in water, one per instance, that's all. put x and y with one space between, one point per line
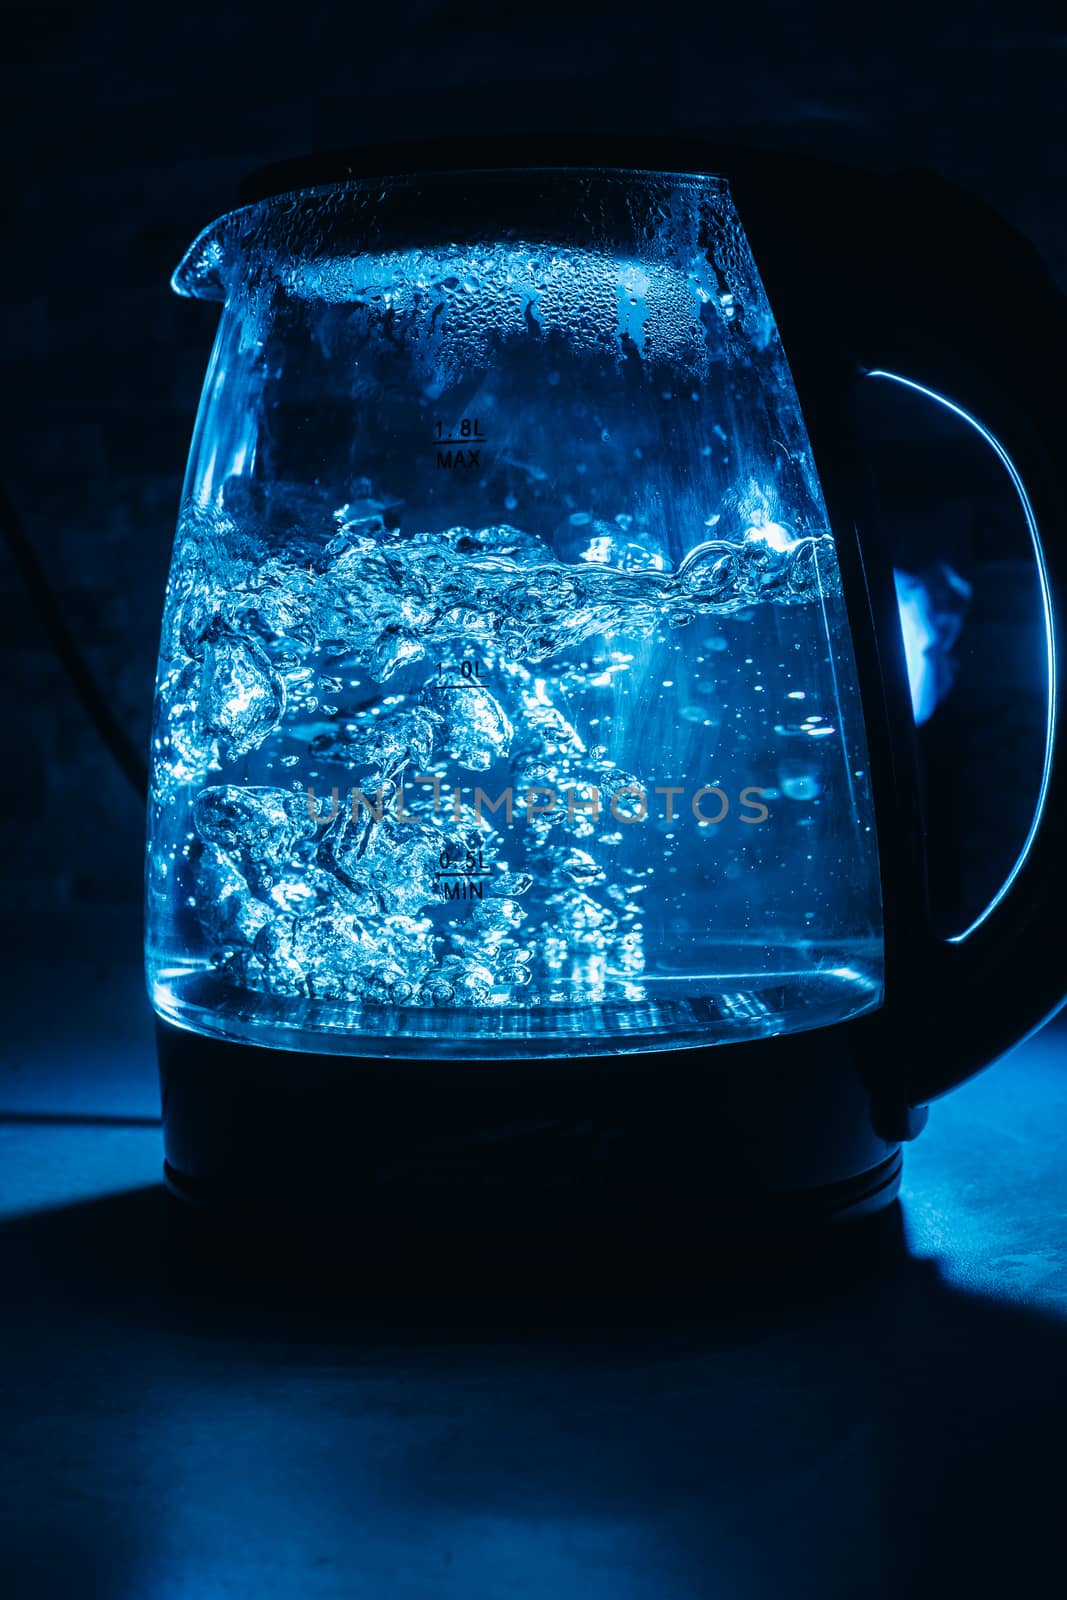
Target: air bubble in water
799 785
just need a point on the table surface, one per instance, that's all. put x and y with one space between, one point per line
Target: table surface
180 1421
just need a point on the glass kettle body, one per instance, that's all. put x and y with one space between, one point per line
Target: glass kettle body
506 702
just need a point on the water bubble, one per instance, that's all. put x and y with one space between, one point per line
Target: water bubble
577 866
797 785
254 823
241 699
227 911
474 724
384 742
510 883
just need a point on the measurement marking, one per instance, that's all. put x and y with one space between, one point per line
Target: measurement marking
464 874
479 438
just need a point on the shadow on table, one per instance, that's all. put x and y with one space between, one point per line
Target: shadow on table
183 1406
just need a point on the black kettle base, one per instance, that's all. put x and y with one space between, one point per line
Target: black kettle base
860 1196
729 1138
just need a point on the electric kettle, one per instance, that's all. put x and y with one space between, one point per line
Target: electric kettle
535 817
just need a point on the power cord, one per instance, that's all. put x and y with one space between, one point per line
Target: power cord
79 673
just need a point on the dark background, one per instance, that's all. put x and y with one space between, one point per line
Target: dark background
126 129
892 1426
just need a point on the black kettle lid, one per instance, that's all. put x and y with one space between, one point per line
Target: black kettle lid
505 152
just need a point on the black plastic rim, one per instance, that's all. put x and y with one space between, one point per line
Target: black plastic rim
796 1210
406 157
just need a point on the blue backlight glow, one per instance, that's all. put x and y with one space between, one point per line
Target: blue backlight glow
920 635
919 652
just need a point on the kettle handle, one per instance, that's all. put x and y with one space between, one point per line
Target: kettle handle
991 986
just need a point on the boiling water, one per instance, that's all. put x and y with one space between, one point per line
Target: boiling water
443 789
